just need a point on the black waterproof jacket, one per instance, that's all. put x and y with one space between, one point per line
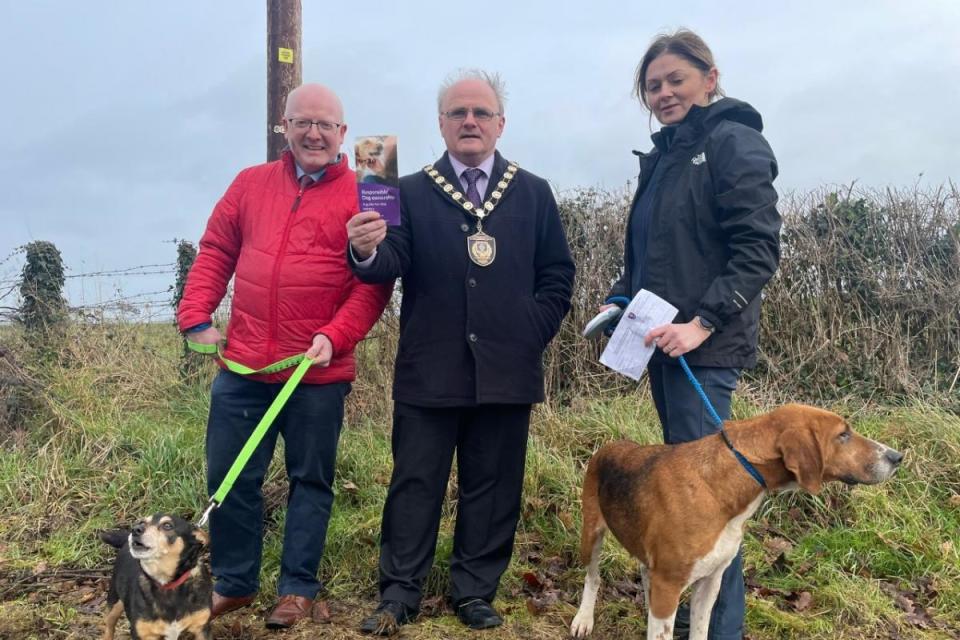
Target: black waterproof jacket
474 335
713 239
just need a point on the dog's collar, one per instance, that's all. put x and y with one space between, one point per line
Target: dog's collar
742 460
170 586
719 422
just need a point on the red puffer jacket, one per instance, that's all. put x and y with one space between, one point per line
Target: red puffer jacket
287 247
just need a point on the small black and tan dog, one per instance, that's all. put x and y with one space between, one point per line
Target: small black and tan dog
159 580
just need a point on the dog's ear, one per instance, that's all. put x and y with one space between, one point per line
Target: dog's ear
801 454
201 536
114 537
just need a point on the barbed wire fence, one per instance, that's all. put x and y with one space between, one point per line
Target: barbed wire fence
145 306
115 304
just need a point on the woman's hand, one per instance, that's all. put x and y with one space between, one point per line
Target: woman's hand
677 339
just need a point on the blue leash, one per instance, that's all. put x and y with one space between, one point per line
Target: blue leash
716 419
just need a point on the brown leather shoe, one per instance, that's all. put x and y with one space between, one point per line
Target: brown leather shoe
226 604
291 609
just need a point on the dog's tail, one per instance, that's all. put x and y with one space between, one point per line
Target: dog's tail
594 526
114 537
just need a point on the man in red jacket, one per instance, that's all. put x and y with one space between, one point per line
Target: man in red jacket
280 229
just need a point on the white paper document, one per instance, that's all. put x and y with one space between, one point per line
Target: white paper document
626 353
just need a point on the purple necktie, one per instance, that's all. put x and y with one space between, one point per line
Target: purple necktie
305 181
472 175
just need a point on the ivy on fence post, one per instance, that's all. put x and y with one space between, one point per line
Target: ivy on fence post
43 310
190 362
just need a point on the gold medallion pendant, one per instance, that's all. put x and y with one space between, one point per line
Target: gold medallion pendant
481 248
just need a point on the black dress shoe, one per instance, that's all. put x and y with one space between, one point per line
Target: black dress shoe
477 613
387 618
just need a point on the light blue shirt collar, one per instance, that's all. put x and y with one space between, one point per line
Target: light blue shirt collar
317 174
486 166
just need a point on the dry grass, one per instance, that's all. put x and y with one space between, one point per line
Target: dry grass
863 322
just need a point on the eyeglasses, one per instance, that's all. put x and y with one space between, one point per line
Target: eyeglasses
302 124
479 114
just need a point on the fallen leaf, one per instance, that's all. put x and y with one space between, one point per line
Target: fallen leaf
803 601
40 567
919 619
432 606
627 587
777 547
533 557
946 547
93 606
928 587
537 605
349 487
903 603
555 567
954 500
533 581
533 608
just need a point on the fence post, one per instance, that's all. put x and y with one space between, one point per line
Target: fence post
190 363
43 309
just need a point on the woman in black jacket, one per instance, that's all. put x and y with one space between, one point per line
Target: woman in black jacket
703 234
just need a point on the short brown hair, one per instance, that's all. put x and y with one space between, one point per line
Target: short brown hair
683 43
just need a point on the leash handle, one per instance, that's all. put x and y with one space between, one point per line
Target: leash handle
621 301
216 350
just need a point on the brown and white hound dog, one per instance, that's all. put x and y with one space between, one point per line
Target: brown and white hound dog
680 509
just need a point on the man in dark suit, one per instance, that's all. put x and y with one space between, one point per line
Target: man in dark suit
487 278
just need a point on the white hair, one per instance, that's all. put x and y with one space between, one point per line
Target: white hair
492 79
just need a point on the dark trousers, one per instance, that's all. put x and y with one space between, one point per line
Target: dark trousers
684 417
310 424
491 443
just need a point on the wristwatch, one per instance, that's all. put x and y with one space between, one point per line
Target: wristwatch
706 325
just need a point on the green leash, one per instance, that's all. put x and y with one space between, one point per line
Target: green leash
302 363
242 369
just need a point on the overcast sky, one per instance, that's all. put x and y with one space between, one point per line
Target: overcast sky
126 120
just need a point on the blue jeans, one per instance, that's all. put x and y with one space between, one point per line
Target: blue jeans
310 424
684 417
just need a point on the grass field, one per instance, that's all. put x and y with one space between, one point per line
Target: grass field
115 434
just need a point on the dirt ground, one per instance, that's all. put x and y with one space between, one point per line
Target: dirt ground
70 605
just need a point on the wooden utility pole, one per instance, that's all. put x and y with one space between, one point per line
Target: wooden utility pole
284 66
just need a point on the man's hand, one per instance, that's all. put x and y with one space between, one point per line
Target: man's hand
210 335
321 351
677 339
365 231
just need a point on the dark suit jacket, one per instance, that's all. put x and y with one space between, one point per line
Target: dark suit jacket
469 334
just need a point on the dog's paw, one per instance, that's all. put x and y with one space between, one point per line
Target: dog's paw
582 624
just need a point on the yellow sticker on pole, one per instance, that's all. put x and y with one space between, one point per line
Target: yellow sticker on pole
285 55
